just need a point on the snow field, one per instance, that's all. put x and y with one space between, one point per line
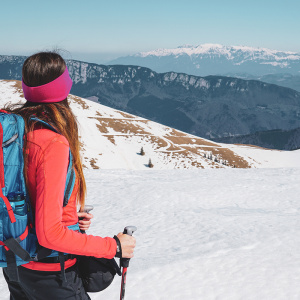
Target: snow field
202 234
207 234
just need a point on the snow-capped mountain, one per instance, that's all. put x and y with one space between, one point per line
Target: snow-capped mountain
215 59
113 139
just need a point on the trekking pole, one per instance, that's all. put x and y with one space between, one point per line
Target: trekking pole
87 209
125 262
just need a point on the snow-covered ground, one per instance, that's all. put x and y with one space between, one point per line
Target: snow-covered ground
202 234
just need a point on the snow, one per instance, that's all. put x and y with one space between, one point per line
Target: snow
202 234
227 51
275 64
268 158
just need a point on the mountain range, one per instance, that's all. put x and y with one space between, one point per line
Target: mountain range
213 59
211 107
113 139
272 66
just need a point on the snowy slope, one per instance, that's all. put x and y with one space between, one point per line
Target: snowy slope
112 139
231 234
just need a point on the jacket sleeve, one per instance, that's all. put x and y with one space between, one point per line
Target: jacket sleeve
51 174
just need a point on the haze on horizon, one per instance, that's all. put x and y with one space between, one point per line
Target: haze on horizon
99 31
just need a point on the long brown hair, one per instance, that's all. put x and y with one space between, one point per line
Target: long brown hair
39 69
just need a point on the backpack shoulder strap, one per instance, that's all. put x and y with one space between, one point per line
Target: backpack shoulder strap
33 118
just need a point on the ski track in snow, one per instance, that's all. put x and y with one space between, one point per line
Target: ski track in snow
202 234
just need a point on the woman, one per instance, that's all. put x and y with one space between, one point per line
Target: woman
46 85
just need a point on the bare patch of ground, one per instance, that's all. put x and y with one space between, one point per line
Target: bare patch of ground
80 101
125 115
18 86
93 163
119 125
111 138
159 141
185 140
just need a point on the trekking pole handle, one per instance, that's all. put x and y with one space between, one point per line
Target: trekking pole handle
86 209
129 230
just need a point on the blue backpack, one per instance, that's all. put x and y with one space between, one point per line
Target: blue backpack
18 241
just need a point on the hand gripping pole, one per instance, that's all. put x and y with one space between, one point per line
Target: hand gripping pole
125 262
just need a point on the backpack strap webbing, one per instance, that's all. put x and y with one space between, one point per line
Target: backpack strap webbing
32 118
12 269
70 181
61 257
13 248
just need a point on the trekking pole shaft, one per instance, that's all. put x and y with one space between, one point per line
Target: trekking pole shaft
123 283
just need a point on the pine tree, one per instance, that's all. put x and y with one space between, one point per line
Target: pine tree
150 165
142 152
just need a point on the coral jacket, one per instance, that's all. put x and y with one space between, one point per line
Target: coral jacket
48 158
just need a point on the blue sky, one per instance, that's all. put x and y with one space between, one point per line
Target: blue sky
98 31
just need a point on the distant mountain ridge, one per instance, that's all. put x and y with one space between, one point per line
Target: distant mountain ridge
210 107
282 79
271 66
216 59
11 66
272 139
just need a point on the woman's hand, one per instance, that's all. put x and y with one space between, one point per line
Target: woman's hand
127 244
84 220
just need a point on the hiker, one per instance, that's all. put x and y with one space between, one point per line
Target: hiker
46 85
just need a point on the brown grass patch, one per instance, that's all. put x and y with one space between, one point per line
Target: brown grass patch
175 132
185 140
111 138
93 163
174 148
125 115
224 154
81 145
119 125
80 101
157 140
102 127
17 86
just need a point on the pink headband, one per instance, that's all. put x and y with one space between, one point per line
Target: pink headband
54 91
